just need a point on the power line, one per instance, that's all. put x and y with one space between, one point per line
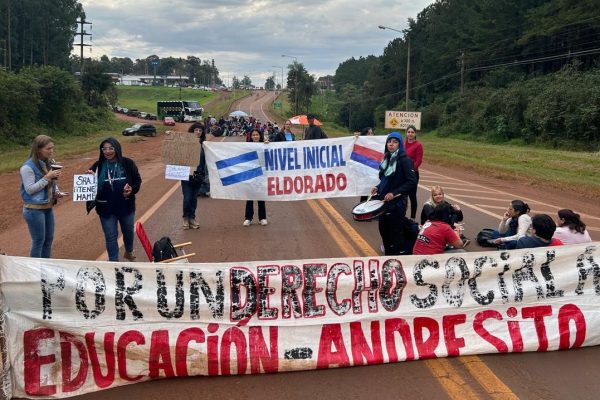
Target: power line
535 60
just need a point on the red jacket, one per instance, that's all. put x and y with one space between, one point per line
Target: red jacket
414 151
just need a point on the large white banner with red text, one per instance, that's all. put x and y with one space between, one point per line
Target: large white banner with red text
308 169
72 327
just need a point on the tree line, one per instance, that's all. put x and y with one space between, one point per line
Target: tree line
505 69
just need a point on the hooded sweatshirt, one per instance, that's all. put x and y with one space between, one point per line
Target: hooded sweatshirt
112 178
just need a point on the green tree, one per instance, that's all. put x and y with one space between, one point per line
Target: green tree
58 91
270 83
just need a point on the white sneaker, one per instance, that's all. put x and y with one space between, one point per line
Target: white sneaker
263 222
247 222
193 224
186 223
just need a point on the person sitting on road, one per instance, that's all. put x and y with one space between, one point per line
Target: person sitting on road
515 224
437 198
571 229
437 234
542 228
256 136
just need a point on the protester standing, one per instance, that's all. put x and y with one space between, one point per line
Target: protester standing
256 136
285 135
414 150
191 187
118 182
313 131
397 179
39 192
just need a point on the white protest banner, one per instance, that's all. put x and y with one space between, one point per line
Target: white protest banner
72 327
84 187
311 169
177 172
402 119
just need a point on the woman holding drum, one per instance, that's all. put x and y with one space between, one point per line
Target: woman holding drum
397 180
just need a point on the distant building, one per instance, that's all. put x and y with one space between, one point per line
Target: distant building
146 80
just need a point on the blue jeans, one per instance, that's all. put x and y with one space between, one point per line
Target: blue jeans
111 233
190 198
41 229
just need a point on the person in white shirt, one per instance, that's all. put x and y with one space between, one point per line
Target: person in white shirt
571 229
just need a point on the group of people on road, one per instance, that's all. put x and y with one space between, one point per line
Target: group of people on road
440 228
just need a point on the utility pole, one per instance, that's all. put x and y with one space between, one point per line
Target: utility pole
462 72
82 33
8 46
407 74
407 38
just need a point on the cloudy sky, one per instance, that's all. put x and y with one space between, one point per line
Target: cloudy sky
248 37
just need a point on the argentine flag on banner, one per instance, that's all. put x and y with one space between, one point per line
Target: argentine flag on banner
239 168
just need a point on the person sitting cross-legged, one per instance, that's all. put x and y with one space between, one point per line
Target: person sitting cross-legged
542 227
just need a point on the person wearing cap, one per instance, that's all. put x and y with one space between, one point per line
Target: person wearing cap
397 179
313 131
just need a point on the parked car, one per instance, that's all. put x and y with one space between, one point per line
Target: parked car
133 112
141 130
142 115
150 116
169 121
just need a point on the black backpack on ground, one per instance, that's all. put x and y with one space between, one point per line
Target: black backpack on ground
485 238
163 249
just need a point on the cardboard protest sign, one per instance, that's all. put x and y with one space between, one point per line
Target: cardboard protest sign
72 327
181 148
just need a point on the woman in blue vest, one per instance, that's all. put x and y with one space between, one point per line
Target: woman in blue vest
39 192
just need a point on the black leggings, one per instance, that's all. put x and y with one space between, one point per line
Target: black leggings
413 199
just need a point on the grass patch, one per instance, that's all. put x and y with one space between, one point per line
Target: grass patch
220 105
66 146
578 172
144 98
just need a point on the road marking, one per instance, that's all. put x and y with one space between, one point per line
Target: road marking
486 378
441 368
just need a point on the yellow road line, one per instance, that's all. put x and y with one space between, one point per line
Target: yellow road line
441 368
450 379
486 378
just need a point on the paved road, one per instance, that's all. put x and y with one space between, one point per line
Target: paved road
324 228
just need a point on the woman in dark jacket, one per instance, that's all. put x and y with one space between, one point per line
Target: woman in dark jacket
191 188
397 179
118 182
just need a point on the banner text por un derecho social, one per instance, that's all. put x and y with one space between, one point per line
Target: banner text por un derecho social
378 287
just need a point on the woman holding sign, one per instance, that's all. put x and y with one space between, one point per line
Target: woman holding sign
118 182
39 192
397 180
191 187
